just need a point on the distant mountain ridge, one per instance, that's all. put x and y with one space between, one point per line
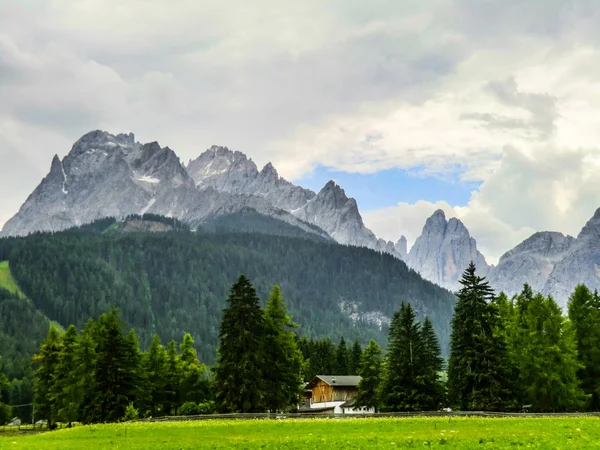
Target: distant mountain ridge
552 263
107 175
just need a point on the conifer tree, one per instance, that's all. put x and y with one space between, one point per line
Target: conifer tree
193 385
433 364
171 392
284 360
370 372
403 385
46 404
322 358
478 376
116 369
85 371
342 359
584 313
66 384
546 357
355 358
5 410
240 367
155 368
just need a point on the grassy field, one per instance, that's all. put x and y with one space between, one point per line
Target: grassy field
454 433
6 279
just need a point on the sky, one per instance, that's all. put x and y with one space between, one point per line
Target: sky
487 109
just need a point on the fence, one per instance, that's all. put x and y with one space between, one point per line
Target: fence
312 415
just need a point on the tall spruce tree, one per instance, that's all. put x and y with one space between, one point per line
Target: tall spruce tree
194 385
46 404
241 363
342 358
172 399
433 364
370 372
584 313
155 368
283 374
117 365
355 358
478 376
85 371
403 386
322 358
66 384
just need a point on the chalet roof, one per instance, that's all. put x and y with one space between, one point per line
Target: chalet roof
336 380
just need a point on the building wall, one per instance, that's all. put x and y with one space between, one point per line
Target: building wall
323 392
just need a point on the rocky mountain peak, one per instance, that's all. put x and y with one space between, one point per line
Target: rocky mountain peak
269 172
532 262
591 230
444 250
402 247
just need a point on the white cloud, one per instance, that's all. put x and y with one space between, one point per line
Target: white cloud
506 92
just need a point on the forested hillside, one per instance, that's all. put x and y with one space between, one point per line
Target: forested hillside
177 282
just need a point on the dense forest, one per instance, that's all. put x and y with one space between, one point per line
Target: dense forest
505 355
174 283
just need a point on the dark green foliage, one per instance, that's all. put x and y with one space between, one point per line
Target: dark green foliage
46 361
355 358
173 283
584 313
239 382
342 359
409 383
250 221
117 368
543 349
5 410
478 369
156 379
282 374
194 383
322 358
370 371
66 385
433 364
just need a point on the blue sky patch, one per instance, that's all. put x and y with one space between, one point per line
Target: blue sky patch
389 187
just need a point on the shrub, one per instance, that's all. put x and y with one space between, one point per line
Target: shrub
131 413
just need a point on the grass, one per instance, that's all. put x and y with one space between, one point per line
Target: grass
347 434
6 279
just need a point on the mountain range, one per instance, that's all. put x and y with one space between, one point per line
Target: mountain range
107 175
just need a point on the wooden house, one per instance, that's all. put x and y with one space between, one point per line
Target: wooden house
332 394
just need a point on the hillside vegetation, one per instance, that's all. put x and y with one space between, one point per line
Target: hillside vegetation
177 282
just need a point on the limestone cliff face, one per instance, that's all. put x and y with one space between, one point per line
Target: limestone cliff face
106 175
444 250
579 264
532 262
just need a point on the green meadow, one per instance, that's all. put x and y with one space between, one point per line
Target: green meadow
6 279
300 434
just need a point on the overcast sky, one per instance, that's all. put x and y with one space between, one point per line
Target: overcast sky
487 109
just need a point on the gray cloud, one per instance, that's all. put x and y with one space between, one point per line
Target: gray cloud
358 86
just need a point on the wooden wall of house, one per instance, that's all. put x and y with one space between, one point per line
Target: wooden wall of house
323 392
344 393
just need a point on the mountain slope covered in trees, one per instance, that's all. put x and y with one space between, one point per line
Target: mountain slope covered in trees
177 282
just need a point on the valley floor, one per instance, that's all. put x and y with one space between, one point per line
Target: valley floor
299 434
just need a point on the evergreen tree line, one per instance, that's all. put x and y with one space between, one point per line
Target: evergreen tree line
523 353
100 375
177 282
